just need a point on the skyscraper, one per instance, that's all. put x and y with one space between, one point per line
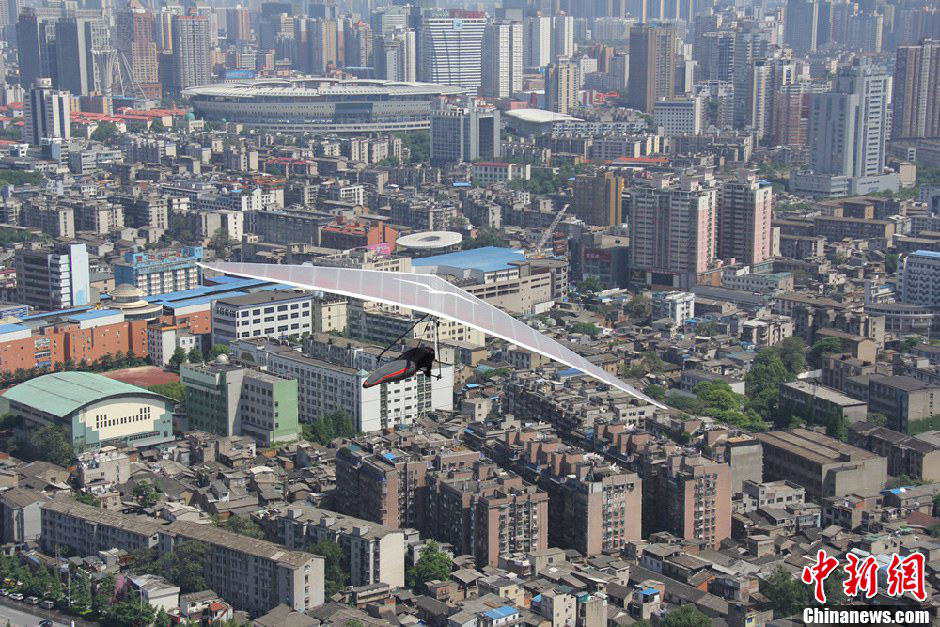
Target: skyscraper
917 91
537 40
35 48
561 87
598 200
134 39
78 43
464 134
652 65
562 36
502 59
47 113
395 57
53 278
450 49
745 209
237 25
322 45
191 59
801 25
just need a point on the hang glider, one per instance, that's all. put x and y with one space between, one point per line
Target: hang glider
429 294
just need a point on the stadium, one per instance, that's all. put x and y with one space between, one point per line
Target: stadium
325 105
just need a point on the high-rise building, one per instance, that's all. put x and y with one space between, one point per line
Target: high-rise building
47 113
79 44
745 209
502 59
673 228
357 41
322 45
920 279
916 111
35 48
134 39
450 49
464 134
162 272
53 278
387 20
561 88
652 65
395 56
562 36
191 58
801 25
598 199
537 40
237 25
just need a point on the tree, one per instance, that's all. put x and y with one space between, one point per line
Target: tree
145 493
195 356
328 427
926 424
178 357
639 307
908 343
183 566
243 525
171 389
586 328
86 498
761 382
787 595
486 237
879 420
792 351
686 616
218 349
335 567
655 391
590 285
823 347
434 564
221 243
891 263
49 443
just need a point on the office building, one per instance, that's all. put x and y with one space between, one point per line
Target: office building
35 48
502 59
375 554
598 199
450 49
537 40
460 135
561 86
226 399
692 497
395 56
237 25
80 45
92 409
673 305
253 575
191 59
53 278
160 272
920 278
134 39
47 113
821 464
745 211
801 25
682 116
916 110
673 228
322 45
274 313
562 36
652 65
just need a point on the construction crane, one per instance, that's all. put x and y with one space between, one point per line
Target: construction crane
538 251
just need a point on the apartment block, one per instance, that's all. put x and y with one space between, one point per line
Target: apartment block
917 458
801 398
383 487
161 272
821 464
771 495
689 497
274 313
253 575
902 399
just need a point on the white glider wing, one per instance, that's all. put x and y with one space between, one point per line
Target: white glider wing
429 294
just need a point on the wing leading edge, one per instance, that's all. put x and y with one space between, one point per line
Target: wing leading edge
429 294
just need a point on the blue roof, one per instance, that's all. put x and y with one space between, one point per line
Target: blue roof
11 327
569 372
388 457
537 598
485 259
95 313
650 590
927 253
58 312
200 300
501 612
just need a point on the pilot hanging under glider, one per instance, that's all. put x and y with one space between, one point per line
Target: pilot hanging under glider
408 364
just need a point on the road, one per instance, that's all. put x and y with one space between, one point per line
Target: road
20 617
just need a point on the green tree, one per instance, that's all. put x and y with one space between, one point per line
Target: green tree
639 307
221 242
655 391
591 285
762 380
486 237
218 349
104 132
80 593
195 356
243 525
434 564
171 389
686 616
178 357
49 443
908 343
145 493
824 347
183 566
86 498
328 427
787 595
792 351
879 420
891 263
586 328
335 566
926 424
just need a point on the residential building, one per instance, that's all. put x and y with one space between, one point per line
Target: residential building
164 339
679 116
450 48
47 113
771 495
821 464
78 42
489 172
374 553
675 306
801 24
907 455
745 210
537 41
598 199
916 94
502 59
561 86
652 65
920 278
53 278
465 134
902 400
820 403
21 515
160 272
226 399
92 409
191 59
134 38
268 313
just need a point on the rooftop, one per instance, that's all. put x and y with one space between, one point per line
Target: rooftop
539 116
814 446
485 259
262 297
61 393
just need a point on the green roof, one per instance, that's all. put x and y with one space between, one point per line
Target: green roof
61 393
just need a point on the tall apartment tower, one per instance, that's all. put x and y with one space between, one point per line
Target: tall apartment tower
745 209
917 91
801 25
47 113
394 56
35 48
134 30
191 59
502 59
598 200
237 25
561 86
77 42
562 36
463 135
652 65
673 228
322 41
538 41
848 125
51 279
450 49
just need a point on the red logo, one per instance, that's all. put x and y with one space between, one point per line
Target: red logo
817 574
862 575
907 575
904 575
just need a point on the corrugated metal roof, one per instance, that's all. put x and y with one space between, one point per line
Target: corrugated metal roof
61 393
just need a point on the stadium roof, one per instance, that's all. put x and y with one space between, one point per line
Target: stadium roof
319 86
539 115
61 393
429 294
485 259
